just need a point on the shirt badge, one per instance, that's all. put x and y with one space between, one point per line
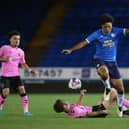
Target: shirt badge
113 35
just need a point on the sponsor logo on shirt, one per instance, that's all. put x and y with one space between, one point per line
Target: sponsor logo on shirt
108 43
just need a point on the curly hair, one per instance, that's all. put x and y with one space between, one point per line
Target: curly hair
106 18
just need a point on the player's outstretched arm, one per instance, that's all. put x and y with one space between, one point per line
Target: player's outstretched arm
101 113
28 69
74 48
82 93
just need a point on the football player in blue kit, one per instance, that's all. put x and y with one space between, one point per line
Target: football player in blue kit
105 57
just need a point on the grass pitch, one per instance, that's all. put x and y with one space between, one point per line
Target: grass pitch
41 105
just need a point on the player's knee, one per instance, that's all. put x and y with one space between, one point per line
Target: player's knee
103 72
21 89
118 85
5 92
120 91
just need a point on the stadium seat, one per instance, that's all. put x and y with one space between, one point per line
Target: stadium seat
80 21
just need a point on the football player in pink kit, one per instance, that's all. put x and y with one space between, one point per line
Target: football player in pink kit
11 57
78 111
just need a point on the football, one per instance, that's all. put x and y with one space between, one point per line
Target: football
74 83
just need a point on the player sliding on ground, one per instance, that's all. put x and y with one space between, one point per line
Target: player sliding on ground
79 111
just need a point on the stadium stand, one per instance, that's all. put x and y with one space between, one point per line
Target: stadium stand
80 20
24 16
61 30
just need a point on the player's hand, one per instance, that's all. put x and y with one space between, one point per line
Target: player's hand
66 51
83 91
33 72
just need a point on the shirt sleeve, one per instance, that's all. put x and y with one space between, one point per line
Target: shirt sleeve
1 51
91 37
120 31
22 59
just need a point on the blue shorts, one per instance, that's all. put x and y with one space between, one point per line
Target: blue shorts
112 68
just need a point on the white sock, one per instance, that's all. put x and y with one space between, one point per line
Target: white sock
107 83
120 98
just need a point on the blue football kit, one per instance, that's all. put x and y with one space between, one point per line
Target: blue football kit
106 49
106 44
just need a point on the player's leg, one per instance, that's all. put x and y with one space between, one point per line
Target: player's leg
104 108
5 82
103 72
112 98
4 94
98 111
118 85
125 102
98 114
24 98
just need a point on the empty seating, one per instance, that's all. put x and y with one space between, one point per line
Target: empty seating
80 20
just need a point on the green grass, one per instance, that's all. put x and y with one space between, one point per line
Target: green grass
44 117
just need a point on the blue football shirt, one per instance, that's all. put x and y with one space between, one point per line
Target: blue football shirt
106 44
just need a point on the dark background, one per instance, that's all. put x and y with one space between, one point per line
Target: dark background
47 26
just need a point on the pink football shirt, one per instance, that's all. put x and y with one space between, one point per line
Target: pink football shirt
78 111
16 57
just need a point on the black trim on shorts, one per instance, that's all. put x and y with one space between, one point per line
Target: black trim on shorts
98 108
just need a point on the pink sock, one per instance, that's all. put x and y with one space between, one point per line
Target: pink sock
2 100
24 101
125 102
